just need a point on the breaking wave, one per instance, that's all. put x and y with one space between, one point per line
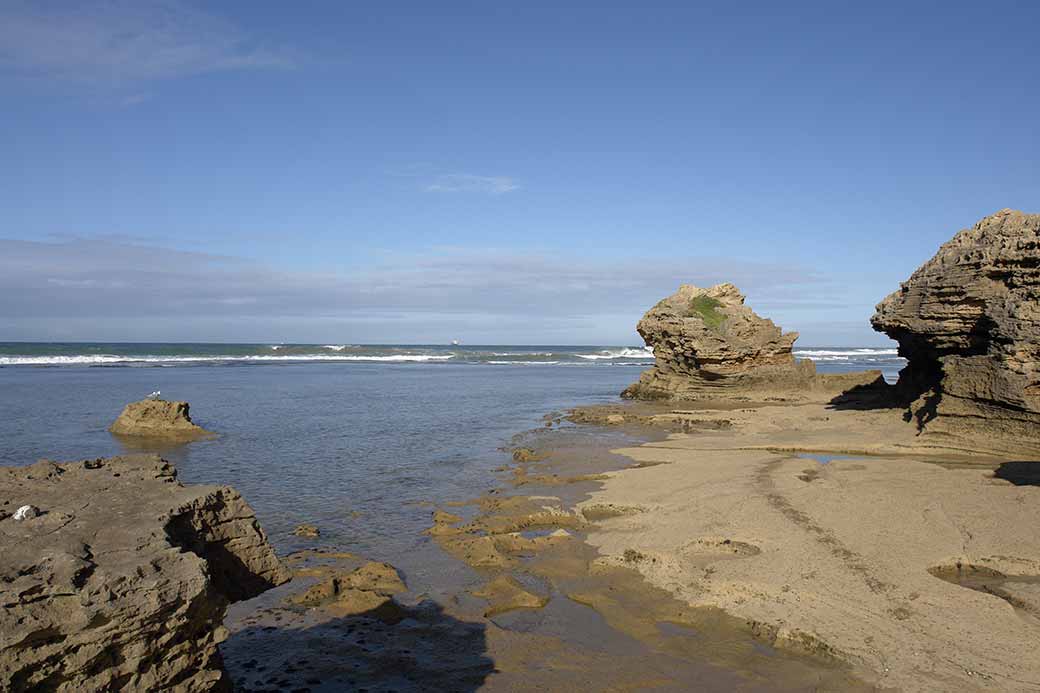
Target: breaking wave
111 359
626 353
859 352
13 354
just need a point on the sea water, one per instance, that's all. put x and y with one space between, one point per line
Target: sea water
355 439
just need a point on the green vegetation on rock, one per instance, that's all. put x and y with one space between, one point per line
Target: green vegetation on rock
707 308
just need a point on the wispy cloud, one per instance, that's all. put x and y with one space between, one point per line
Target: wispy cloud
438 179
92 289
468 183
133 100
117 42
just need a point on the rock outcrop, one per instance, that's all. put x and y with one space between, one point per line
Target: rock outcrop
968 322
708 344
368 589
121 582
157 418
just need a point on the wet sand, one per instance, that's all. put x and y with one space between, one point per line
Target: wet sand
517 600
836 532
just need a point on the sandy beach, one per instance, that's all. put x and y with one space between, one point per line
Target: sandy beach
834 532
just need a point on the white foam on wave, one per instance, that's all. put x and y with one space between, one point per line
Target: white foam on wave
106 359
395 357
523 363
60 360
626 353
847 353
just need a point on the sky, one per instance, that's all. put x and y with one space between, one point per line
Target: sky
495 172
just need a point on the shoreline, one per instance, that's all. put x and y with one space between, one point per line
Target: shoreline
534 531
743 545
836 531
531 602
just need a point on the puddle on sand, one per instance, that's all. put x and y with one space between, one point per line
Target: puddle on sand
573 623
684 630
827 459
1020 591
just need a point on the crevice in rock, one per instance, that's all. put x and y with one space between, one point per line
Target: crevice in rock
232 577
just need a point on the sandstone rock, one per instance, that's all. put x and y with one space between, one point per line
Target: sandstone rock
478 551
444 524
376 577
525 455
968 322
123 580
708 344
504 593
441 517
308 531
367 590
157 418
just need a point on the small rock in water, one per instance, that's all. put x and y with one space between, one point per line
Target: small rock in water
524 455
26 512
307 531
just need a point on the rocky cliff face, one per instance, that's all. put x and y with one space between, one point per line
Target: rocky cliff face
122 579
157 418
968 321
708 344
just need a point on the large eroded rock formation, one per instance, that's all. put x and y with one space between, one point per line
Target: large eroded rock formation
708 344
121 581
968 321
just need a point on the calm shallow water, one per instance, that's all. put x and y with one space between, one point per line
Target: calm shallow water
354 448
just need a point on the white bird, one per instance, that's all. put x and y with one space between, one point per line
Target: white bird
154 395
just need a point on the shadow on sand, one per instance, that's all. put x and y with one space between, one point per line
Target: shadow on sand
1019 473
417 648
875 395
920 404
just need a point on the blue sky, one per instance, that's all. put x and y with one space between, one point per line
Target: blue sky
497 172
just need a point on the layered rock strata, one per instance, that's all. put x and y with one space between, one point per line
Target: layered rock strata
968 322
157 418
709 345
121 582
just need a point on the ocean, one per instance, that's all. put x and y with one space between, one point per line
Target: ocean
355 439
829 359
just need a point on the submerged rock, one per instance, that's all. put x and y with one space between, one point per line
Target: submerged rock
504 593
708 344
123 582
525 455
369 589
968 322
308 531
157 418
